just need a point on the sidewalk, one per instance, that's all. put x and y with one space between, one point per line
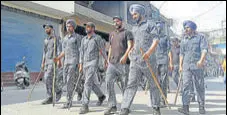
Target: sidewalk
215 105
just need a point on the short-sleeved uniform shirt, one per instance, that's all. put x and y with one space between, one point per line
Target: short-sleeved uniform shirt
191 49
144 34
48 50
118 41
90 49
71 45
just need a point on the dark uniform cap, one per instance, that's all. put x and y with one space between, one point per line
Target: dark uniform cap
117 17
47 25
90 24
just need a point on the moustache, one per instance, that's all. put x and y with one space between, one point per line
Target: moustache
138 19
88 32
117 26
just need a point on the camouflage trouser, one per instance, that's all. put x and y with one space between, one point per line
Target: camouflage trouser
135 73
190 76
162 71
71 74
113 73
48 79
91 84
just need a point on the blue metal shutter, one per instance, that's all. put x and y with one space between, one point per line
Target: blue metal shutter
22 35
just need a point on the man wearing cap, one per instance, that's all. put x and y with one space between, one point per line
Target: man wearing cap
164 59
71 44
91 46
145 37
121 41
193 51
48 63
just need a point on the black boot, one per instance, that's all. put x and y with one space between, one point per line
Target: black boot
48 100
84 109
201 109
100 101
79 96
184 110
156 111
124 111
58 96
110 110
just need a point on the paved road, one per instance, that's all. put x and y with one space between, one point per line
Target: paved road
13 102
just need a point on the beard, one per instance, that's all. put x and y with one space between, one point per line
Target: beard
118 26
138 19
69 31
48 32
88 32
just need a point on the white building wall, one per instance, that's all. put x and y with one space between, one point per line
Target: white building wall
66 6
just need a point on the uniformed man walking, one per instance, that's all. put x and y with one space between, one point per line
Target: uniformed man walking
121 41
164 59
48 63
193 50
91 45
145 37
71 44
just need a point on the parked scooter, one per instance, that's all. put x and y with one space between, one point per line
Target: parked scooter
22 75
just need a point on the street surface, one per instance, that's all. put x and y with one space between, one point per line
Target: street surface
14 102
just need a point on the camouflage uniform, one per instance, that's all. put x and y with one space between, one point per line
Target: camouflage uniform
71 45
48 54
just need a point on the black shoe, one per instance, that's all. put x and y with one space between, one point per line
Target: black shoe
163 104
184 110
201 109
156 111
110 110
67 105
124 111
100 101
79 96
58 96
47 101
84 109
